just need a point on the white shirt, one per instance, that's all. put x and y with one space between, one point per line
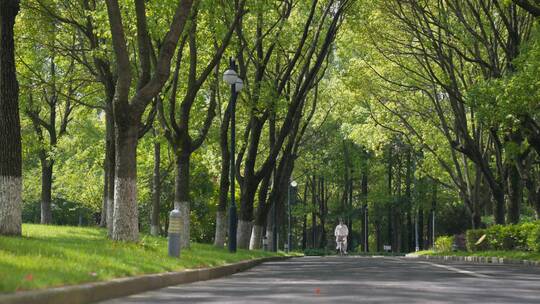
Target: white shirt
341 230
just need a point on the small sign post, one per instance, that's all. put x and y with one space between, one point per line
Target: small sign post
175 223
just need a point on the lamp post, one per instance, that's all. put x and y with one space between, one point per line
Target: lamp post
416 243
274 226
231 77
292 195
366 226
433 228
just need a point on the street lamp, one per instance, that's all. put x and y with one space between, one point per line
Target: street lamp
366 227
274 225
231 77
292 196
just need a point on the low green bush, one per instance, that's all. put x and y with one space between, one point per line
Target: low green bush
505 237
525 237
444 243
472 237
533 239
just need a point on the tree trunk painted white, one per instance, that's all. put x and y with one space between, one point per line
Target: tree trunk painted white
269 236
243 234
256 237
10 205
184 215
154 230
110 216
221 229
10 125
126 214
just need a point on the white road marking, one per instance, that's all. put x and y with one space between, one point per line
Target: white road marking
467 272
447 267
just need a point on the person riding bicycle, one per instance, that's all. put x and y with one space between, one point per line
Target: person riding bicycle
341 232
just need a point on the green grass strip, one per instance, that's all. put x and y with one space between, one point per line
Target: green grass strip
50 256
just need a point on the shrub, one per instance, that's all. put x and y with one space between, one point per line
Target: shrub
524 236
504 237
444 243
494 237
472 236
533 240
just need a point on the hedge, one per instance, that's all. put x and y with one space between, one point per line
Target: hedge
444 244
524 237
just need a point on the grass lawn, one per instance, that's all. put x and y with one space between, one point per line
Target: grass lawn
518 255
48 256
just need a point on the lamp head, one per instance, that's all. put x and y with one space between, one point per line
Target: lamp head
239 84
230 76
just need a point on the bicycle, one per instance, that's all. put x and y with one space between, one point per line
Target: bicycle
342 248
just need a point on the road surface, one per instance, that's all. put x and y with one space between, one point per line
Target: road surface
358 280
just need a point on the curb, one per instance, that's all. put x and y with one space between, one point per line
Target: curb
477 260
100 291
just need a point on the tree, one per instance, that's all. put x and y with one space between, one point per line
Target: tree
304 67
177 124
10 128
156 187
224 181
50 110
128 110
85 20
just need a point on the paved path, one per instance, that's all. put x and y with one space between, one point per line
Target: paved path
358 280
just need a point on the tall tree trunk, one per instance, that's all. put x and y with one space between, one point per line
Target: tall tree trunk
421 228
515 194
304 223
129 111
365 219
477 202
530 181
10 127
433 222
103 218
269 229
350 208
249 186
313 213
536 202
156 190
497 190
243 234
378 235
409 244
221 228
126 213
410 236
323 213
110 154
429 229
46 189
181 195
498 207
261 214
224 182
391 221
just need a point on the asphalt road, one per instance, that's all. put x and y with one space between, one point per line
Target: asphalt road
358 280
